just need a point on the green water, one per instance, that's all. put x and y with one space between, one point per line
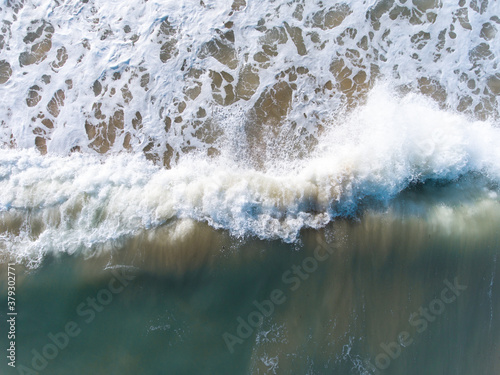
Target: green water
333 315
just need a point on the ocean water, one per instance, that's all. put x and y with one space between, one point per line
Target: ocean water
250 187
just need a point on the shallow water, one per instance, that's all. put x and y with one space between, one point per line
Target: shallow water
251 187
358 285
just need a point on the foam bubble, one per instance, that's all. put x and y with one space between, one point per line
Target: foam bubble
167 78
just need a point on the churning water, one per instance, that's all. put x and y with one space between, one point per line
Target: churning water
212 146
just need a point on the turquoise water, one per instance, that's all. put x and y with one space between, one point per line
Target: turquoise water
358 284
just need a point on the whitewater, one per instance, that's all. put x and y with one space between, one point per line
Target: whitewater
259 118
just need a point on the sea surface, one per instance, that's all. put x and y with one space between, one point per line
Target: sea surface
250 187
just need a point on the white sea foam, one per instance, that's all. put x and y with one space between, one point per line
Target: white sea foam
446 50
377 152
